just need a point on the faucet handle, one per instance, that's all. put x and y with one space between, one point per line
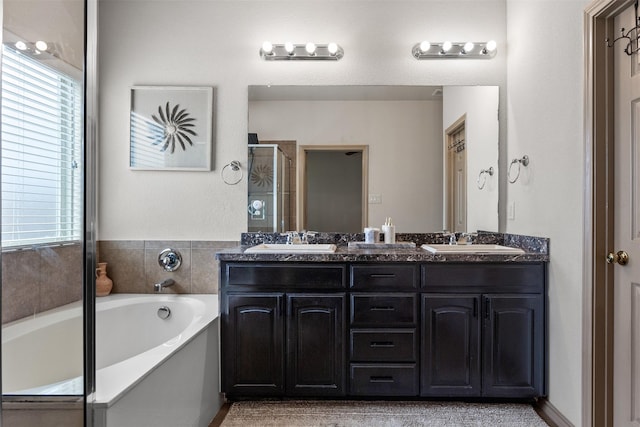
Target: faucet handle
468 238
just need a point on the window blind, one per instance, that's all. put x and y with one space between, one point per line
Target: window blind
41 153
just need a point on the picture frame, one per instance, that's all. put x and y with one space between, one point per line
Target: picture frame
171 128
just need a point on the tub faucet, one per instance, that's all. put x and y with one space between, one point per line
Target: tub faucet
164 284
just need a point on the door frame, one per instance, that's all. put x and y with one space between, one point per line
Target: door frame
301 181
449 202
597 326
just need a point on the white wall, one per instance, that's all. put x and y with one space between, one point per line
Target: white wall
545 105
405 149
216 43
481 135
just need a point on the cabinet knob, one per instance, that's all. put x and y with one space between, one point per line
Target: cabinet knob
620 257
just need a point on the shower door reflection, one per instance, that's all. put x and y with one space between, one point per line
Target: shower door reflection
269 202
42 186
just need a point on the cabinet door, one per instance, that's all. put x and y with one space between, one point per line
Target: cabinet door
253 345
513 346
450 345
315 344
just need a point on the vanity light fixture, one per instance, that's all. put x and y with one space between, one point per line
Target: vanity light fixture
460 50
290 51
33 49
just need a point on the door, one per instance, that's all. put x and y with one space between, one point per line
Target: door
450 345
253 341
333 188
315 345
626 350
513 346
456 176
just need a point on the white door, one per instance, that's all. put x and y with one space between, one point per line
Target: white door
455 146
627 232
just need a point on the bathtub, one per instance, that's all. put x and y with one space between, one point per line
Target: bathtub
149 371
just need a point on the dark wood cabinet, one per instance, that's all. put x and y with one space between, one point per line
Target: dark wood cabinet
383 338
315 345
450 345
374 329
489 343
283 329
253 345
513 346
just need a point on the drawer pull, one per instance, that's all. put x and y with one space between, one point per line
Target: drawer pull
386 308
383 276
381 379
382 344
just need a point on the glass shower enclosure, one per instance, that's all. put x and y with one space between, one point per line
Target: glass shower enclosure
269 200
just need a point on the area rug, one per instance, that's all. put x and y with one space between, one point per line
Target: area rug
300 413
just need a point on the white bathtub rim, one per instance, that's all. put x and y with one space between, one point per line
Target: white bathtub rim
109 386
25 325
114 381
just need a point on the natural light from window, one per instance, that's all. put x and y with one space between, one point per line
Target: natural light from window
42 133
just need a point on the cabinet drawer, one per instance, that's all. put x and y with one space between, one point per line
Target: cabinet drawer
383 345
277 275
384 276
384 379
388 310
484 277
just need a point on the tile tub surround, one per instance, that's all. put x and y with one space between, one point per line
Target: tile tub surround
39 279
133 265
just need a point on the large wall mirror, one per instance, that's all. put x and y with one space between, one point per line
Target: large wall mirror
426 156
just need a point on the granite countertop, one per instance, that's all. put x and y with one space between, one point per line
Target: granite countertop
536 249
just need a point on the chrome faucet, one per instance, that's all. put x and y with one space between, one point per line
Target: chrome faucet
451 236
467 238
158 287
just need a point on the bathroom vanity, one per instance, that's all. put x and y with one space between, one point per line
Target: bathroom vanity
383 323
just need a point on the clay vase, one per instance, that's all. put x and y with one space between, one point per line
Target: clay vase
103 283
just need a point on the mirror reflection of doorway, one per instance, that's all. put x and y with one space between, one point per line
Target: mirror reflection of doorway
333 188
456 176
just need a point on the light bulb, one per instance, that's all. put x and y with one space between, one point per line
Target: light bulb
491 45
332 48
468 47
20 45
425 46
289 47
42 45
267 48
446 46
310 48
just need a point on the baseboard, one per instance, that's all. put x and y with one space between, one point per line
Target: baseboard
551 415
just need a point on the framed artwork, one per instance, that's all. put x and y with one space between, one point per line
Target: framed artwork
170 128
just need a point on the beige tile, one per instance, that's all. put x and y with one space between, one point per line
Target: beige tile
125 265
159 245
61 276
204 271
154 273
42 417
20 285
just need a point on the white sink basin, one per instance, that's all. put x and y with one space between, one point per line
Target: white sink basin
471 249
283 248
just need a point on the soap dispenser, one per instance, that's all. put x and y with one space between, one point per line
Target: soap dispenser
389 231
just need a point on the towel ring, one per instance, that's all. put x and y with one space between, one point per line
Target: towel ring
234 166
524 161
483 174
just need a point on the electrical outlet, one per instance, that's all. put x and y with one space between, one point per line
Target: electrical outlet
511 211
375 199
